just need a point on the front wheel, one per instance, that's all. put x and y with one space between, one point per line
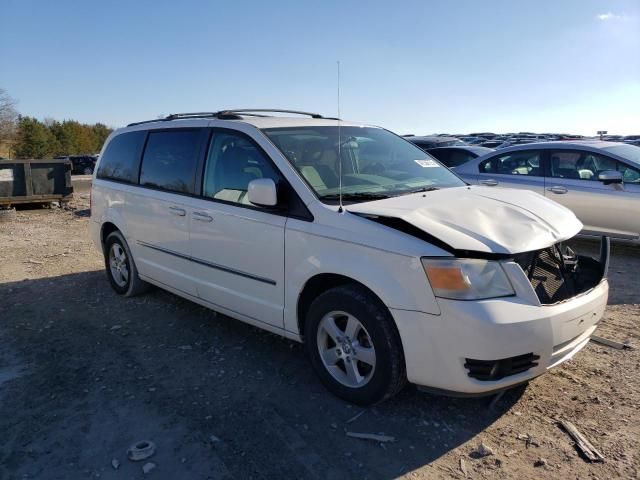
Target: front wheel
354 346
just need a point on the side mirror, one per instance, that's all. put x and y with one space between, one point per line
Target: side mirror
610 176
263 192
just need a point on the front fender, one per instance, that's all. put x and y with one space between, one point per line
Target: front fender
398 280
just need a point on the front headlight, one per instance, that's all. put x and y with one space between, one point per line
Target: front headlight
467 278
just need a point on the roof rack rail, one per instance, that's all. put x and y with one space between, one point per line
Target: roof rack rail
229 114
249 111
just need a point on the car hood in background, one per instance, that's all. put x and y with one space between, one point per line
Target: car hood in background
481 219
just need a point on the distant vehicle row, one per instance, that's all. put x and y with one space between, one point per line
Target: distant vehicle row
492 140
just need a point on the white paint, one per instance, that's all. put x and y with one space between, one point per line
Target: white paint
482 219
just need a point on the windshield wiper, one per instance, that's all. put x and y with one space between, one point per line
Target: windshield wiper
356 196
421 189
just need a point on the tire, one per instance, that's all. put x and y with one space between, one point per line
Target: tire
7 214
88 171
376 335
128 285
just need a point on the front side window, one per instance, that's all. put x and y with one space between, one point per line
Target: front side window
121 158
232 162
579 165
374 163
170 160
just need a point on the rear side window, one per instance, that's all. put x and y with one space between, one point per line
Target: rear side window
442 155
459 157
514 163
121 158
170 160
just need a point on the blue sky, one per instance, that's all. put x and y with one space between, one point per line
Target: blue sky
411 66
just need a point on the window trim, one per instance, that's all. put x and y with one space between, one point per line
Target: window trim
201 142
283 188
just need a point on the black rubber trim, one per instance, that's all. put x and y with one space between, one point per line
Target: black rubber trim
209 264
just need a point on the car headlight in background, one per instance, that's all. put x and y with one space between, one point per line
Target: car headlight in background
467 278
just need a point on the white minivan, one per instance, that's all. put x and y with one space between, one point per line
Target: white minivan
352 240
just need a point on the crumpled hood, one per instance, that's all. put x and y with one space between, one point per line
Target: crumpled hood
481 219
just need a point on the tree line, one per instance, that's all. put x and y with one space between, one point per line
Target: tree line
28 137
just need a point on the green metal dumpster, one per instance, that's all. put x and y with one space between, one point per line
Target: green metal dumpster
35 181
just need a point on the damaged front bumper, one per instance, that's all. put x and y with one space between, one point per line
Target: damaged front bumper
478 347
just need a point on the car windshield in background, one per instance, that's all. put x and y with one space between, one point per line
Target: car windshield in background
375 162
629 152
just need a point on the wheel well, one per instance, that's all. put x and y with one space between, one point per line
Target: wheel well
107 228
316 286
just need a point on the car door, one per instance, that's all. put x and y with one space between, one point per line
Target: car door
522 169
237 247
159 210
603 208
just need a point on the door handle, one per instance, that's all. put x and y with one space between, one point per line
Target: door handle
181 212
489 183
558 189
202 217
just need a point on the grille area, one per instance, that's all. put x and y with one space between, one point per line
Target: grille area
557 273
498 369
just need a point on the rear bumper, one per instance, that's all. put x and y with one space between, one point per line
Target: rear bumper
437 347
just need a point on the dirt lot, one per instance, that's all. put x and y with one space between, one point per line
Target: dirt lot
85 373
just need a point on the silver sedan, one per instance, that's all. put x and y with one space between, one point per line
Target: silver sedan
598 181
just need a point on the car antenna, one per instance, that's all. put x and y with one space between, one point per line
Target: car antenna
340 208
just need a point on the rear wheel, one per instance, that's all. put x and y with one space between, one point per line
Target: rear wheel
353 345
121 269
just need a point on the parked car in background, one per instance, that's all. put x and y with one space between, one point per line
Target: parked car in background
472 140
492 144
82 164
598 181
454 156
433 141
632 140
352 240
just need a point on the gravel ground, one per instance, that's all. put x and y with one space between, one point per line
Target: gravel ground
84 374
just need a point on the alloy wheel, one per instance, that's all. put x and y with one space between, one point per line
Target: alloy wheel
118 265
346 349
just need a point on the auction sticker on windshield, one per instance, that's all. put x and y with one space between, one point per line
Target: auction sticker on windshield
427 163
